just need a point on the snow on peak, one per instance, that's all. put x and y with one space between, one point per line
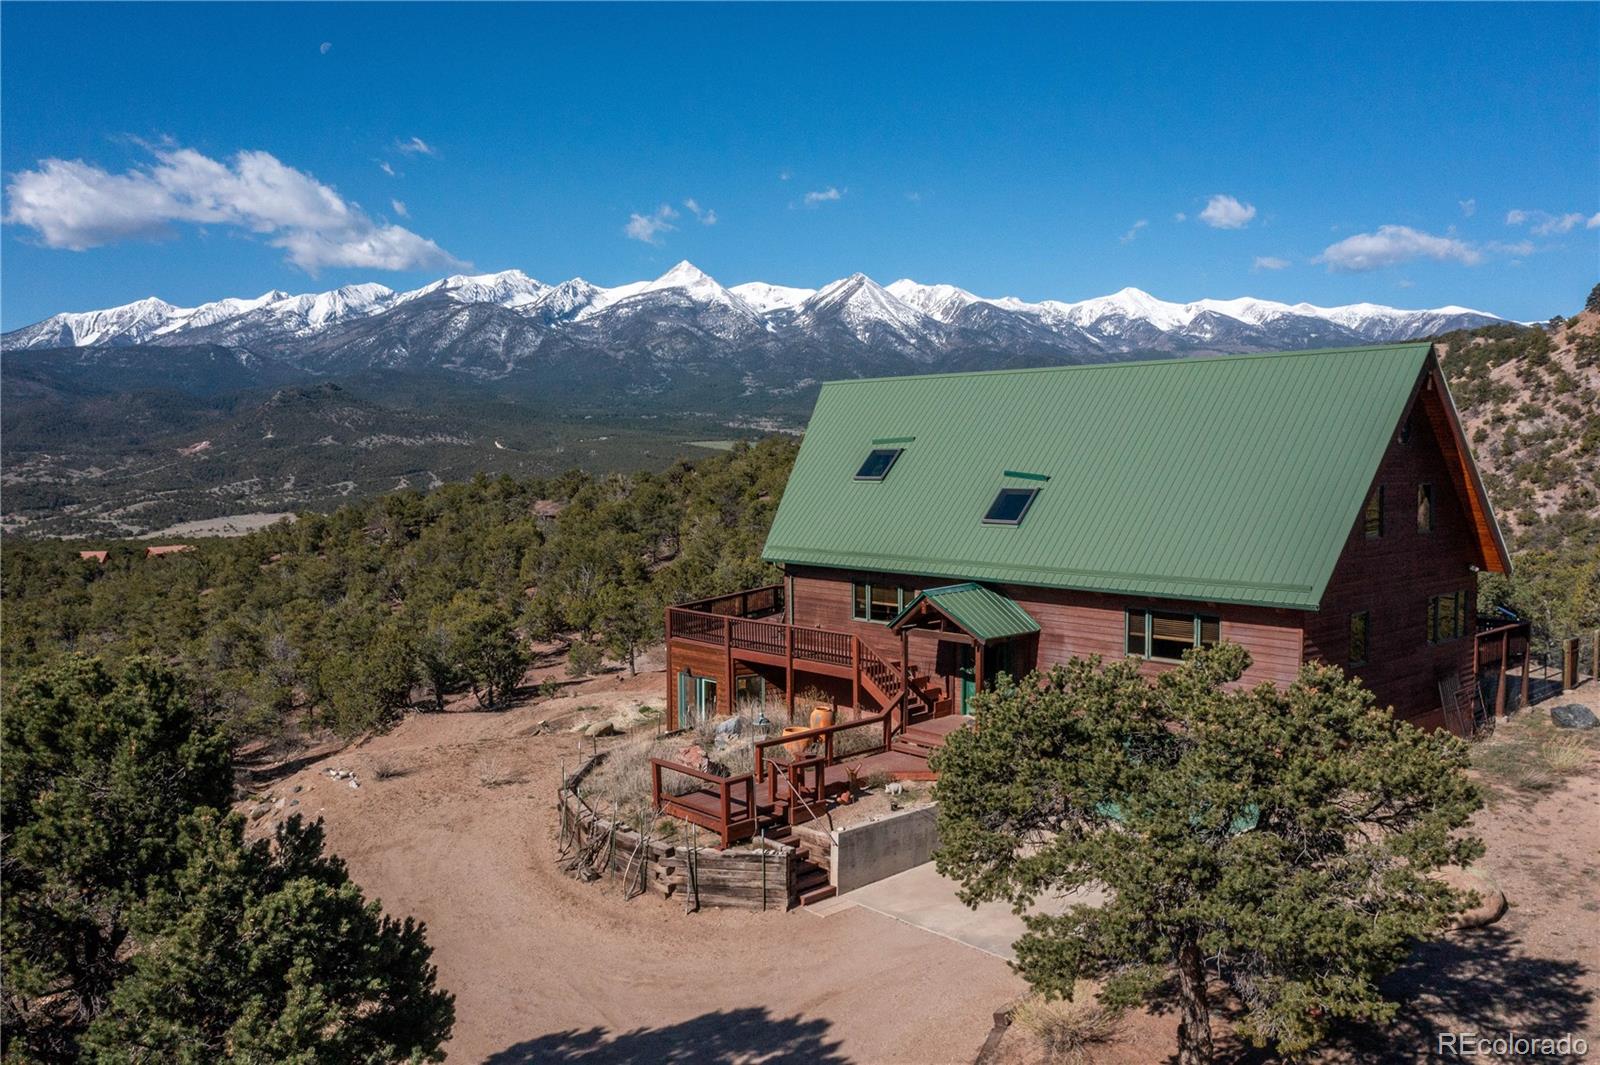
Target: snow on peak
943 302
508 288
765 298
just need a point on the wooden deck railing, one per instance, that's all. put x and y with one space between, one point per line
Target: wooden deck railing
825 734
732 817
749 603
766 637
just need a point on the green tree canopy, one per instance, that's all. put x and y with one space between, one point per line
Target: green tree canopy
98 769
1279 841
266 952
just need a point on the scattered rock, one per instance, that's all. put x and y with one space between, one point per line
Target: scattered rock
694 756
1573 715
729 728
353 784
294 802
298 788
1491 900
601 728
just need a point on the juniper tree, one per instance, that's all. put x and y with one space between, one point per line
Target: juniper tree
1277 842
266 952
97 769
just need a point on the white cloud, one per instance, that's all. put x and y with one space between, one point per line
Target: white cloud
1225 212
76 205
649 227
785 174
1468 207
1520 248
1270 262
415 146
1133 230
827 195
383 165
1395 244
1545 224
1180 217
1593 222
400 208
327 46
704 216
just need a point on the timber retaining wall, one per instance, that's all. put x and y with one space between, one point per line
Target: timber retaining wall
758 876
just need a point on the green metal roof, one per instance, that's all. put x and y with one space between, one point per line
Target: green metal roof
1233 479
980 612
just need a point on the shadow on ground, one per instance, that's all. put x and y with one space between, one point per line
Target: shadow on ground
1480 981
719 1038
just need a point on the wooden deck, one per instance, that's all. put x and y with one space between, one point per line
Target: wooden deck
784 794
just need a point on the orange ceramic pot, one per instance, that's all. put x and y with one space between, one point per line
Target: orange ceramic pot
821 715
796 748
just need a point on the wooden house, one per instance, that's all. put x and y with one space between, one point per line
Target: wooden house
938 530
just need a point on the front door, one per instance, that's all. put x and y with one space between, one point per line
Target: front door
966 674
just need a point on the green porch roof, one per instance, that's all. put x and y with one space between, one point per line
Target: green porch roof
1233 479
980 612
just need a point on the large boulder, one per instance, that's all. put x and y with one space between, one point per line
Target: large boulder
1491 900
601 728
1573 715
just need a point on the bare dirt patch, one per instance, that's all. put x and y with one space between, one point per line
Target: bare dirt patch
546 969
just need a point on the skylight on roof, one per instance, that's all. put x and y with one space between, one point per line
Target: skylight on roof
1010 506
879 460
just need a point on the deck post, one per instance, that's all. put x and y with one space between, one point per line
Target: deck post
1594 657
855 673
1527 662
977 668
905 675
726 697
1569 664
788 671
1500 685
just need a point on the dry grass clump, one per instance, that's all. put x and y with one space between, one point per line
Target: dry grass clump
387 769
1067 1031
494 773
1565 754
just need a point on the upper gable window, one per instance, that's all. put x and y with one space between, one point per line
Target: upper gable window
1424 508
1372 517
878 463
1010 506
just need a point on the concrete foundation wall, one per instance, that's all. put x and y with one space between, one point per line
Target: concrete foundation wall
863 854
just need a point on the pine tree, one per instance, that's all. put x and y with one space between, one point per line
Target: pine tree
1277 841
266 952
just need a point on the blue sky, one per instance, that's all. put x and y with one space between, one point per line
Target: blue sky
1410 155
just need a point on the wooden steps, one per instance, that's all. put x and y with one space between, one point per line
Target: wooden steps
811 882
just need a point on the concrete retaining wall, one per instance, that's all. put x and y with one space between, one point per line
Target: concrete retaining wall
863 854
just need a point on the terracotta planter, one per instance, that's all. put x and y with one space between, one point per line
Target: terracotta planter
796 748
821 715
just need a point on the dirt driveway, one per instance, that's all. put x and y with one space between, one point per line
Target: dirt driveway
546 969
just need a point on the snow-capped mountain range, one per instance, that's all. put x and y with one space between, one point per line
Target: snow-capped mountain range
494 325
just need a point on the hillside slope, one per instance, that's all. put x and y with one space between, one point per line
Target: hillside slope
1530 403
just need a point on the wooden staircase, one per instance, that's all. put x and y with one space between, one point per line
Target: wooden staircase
811 880
924 738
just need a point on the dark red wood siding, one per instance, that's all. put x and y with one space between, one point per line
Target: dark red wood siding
1392 577
1073 624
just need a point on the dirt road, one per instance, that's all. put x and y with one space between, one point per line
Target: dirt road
546 969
